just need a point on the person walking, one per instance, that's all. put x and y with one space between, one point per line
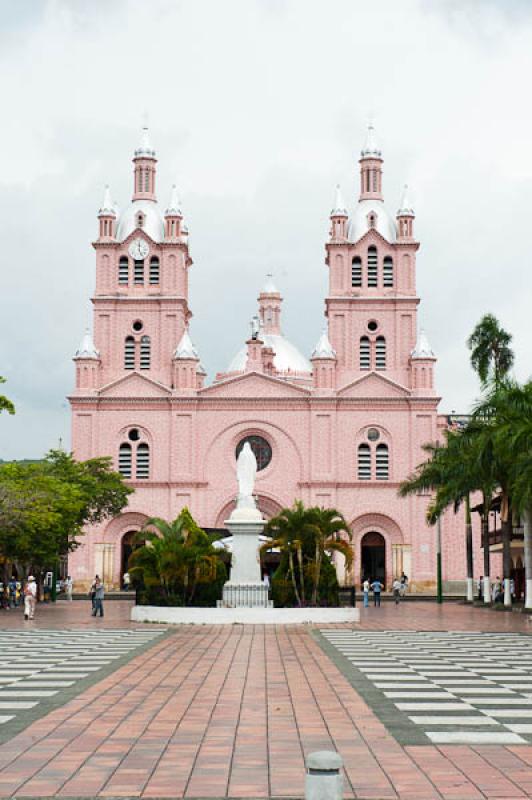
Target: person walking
126 581
397 587
12 586
404 584
365 591
30 598
480 587
68 588
377 588
98 598
92 590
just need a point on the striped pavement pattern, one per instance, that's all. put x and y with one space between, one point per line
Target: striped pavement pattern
456 687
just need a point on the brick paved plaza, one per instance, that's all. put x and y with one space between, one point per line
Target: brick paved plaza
113 710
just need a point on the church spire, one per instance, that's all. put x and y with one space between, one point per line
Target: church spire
270 307
144 161
371 168
405 217
107 216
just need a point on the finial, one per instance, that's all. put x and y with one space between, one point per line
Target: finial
269 286
174 207
422 348
146 148
339 209
371 147
323 348
87 348
185 348
108 207
405 206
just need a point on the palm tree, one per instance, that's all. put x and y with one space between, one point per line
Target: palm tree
177 556
453 472
508 409
327 528
491 355
288 530
305 536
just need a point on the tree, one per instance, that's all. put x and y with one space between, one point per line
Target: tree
45 505
5 404
453 471
176 558
491 355
507 415
305 538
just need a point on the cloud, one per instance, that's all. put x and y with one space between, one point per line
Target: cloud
258 109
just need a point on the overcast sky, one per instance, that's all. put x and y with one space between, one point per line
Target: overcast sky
257 109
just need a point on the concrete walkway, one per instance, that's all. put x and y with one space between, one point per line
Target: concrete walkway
209 712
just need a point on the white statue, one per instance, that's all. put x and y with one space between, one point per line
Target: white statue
246 470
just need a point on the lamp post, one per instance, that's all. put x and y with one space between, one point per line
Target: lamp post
439 593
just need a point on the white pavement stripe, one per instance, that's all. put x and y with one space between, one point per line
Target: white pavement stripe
457 720
433 706
15 705
25 694
46 684
474 737
506 712
481 690
402 685
519 727
500 701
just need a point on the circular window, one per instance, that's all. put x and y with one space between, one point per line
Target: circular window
261 448
373 325
137 326
133 435
373 434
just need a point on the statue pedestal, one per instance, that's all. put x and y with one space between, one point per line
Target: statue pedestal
245 589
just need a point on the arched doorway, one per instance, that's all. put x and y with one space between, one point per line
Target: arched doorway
373 557
127 546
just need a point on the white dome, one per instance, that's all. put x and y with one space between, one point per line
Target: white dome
153 220
359 223
287 357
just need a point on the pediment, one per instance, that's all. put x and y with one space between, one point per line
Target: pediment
134 385
374 385
373 236
253 385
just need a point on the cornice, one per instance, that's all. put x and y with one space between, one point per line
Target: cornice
324 484
200 402
120 298
373 298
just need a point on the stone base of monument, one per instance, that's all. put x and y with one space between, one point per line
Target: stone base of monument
244 616
245 595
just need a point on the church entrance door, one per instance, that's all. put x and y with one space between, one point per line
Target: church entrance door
373 557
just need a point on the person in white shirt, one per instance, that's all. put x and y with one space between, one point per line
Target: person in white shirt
68 588
30 598
397 589
365 589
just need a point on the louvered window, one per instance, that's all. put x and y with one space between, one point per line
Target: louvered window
124 460
146 180
139 272
154 270
364 462
372 266
123 270
143 461
388 271
129 353
365 358
380 352
356 272
145 352
382 462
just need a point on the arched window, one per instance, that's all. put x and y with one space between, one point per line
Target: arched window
139 272
356 272
380 352
124 460
123 270
365 359
145 352
372 266
140 220
143 461
382 462
364 462
129 353
387 271
154 270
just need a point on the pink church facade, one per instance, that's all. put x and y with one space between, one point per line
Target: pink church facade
342 428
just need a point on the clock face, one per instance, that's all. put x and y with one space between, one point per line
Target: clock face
138 249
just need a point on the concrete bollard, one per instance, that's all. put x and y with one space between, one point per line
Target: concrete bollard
324 780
